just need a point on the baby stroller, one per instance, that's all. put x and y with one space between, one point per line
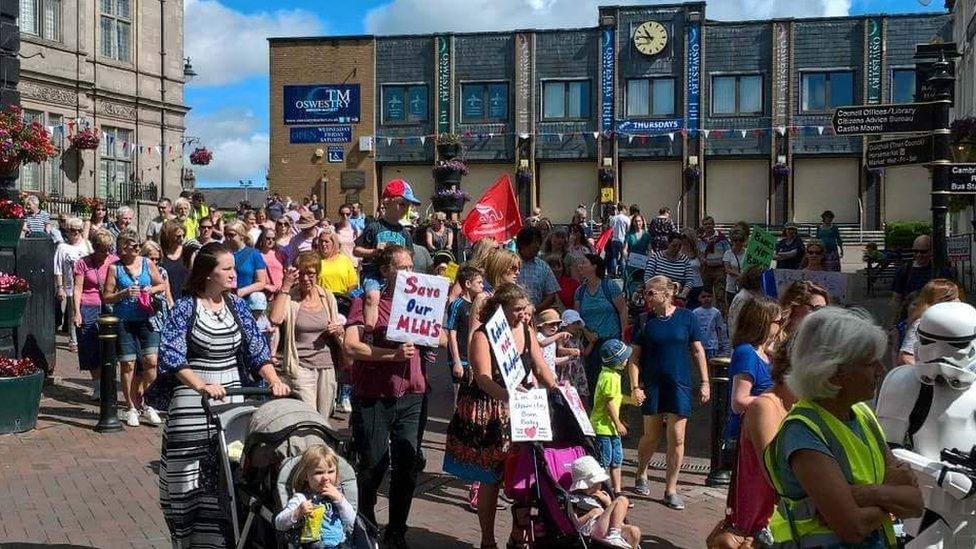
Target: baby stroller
259 446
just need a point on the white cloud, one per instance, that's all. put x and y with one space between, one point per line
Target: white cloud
428 16
240 148
228 46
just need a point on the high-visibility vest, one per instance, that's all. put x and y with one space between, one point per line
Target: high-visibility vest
795 523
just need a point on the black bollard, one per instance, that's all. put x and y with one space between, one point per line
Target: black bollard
720 473
108 415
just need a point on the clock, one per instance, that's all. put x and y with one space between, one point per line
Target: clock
650 38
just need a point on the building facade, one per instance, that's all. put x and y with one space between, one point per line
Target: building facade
116 66
688 113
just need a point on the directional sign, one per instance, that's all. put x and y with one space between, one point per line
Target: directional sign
962 178
875 119
899 152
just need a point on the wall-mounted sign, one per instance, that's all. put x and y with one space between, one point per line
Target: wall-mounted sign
875 119
322 104
651 126
320 134
352 180
781 72
607 57
958 247
899 152
336 154
694 74
875 53
962 178
443 84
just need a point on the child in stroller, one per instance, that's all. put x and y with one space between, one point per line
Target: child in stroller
318 500
602 516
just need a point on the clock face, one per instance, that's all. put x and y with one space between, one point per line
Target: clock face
650 38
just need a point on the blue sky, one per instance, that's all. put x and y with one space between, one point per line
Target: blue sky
226 40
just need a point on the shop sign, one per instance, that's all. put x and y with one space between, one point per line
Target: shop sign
781 72
878 119
320 134
652 126
322 104
607 59
694 75
905 151
443 84
962 178
875 51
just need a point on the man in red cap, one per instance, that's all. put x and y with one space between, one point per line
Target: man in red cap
397 198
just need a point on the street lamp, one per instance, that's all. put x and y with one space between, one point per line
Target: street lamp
246 184
188 72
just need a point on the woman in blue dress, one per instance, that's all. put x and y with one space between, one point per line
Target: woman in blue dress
666 343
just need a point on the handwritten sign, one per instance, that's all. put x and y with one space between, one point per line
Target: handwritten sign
529 413
760 248
579 409
636 260
417 312
502 343
835 283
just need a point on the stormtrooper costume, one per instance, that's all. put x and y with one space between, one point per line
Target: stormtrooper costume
928 407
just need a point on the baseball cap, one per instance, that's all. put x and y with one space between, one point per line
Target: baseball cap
571 316
614 352
399 188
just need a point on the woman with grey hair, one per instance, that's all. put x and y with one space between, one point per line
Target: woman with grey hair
70 251
838 483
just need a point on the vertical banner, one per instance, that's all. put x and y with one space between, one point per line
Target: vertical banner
874 55
607 59
523 82
443 84
781 73
694 76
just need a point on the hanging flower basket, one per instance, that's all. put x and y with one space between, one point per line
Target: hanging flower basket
450 200
692 173
448 146
84 205
20 142
20 394
87 139
11 223
201 156
14 293
449 172
781 170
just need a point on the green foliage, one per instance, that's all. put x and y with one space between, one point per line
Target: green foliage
901 234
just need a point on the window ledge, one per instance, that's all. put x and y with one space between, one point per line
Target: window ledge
126 65
45 42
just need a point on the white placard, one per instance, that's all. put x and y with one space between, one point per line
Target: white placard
835 283
637 261
529 413
958 247
502 343
417 312
579 410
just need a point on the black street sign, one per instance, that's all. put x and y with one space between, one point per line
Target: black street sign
877 119
962 178
899 152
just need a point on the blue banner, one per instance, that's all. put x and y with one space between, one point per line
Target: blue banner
607 61
651 127
694 75
417 103
321 134
472 102
498 102
322 104
393 101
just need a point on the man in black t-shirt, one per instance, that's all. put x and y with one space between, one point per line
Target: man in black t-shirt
910 278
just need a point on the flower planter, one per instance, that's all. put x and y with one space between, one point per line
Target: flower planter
447 177
447 151
10 230
20 400
12 308
448 204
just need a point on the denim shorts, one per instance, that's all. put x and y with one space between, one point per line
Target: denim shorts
611 450
136 339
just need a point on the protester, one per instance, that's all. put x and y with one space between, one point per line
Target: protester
661 229
358 218
733 261
253 229
123 221
314 206
937 290
750 287
603 308
535 276
638 239
272 260
210 344
275 207
200 210
789 249
171 241
337 273
578 247
347 233
162 301
165 209
479 434
549 338
800 299
458 321
912 277
829 235
567 284
36 220
712 245
311 333
89 277
608 396
438 235
183 208
252 272
666 344
283 232
604 516
830 451
557 243
207 232
671 263
580 343
619 225
695 282
814 257
715 334
303 241
67 254
756 333
97 220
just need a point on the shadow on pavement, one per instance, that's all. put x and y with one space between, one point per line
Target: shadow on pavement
420 537
45 545
64 416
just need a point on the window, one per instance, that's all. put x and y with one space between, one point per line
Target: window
41 18
825 91
650 97
485 103
115 165
566 100
116 29
53 175
737 94
30 172
405 104
903 86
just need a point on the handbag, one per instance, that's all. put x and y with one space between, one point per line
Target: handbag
145 303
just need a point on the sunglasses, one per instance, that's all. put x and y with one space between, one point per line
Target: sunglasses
206 226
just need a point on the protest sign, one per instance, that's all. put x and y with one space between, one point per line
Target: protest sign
760 248
417 312
502 343
529 413
579 410
835 283
636 260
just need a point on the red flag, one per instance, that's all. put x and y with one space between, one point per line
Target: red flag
496 214
602 241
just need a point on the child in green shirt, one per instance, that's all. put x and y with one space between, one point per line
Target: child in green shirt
605 417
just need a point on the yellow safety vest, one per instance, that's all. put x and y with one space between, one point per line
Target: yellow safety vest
795 523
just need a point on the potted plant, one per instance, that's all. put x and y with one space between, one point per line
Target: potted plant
201 156
449 172
14 293
448 146
963 132
781 170
86 139
21 382
20 142
692 173
450 200
83 205
11 223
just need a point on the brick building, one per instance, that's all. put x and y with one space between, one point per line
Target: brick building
648 91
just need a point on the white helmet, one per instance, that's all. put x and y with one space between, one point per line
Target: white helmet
947 345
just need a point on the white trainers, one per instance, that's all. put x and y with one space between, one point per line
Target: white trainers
614 539
151 415
130 417
344 406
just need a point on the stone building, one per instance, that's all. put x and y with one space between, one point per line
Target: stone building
116 66
650 92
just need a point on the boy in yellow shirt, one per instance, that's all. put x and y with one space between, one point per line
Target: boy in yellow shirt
605 417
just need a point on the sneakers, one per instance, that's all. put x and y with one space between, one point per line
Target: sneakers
130 417
614 539
641 487
674 501
151 415
344 406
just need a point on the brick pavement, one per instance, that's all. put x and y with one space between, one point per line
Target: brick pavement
65 485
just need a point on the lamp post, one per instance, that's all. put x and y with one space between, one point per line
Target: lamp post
246 184
942 82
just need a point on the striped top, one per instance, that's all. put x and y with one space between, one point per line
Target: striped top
38 222
678 270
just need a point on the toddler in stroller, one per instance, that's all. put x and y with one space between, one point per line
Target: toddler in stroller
318 502
598 515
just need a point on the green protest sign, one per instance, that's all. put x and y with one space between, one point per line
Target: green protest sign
760 248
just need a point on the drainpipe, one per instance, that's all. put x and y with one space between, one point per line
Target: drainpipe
163 156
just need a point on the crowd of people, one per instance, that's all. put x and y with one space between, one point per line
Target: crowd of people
286 295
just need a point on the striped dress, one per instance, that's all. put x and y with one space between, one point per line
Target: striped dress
678 270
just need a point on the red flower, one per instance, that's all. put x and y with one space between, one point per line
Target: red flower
16 367
201 156
12 284
11 210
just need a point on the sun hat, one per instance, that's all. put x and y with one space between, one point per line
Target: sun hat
587 473
257 301
399 188
571 316
614 351
549 316
306 221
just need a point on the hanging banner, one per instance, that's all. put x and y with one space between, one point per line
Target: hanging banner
529 415
781 72
523 82
835 283
874 56
443 84
656 127
502 343
417 311
607 60
694 75
322 104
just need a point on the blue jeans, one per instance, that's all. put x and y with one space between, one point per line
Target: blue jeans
611 450
615 251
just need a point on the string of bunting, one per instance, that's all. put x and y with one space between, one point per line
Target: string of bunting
73 126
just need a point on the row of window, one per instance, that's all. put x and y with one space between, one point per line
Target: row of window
42 18
569 100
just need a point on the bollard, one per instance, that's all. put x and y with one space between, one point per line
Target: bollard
720 473
108 415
